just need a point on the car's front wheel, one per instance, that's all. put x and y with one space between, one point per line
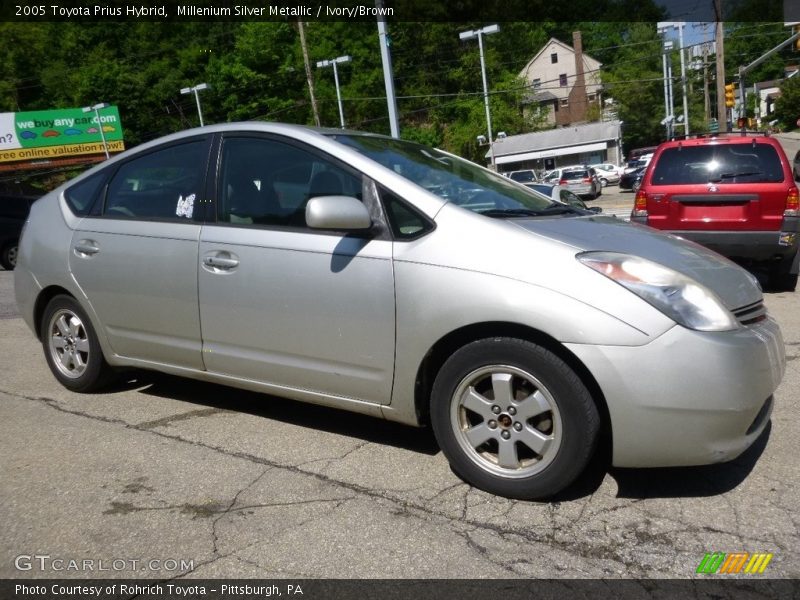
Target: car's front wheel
71 347
513 418
8 256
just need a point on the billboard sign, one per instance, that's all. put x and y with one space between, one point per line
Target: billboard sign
58 133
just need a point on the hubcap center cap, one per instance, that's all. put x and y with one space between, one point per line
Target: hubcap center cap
504 420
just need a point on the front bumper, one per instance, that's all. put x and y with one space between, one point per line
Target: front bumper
688 397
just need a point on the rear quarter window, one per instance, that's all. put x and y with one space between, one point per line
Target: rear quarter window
724 163
83 195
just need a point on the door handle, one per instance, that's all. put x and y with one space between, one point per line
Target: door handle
219 262
86 248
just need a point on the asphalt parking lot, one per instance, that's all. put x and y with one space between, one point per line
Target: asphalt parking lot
163 477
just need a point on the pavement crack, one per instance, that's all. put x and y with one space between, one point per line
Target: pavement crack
605 550
192 414
214 535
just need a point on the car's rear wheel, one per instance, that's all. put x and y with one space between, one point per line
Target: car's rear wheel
781 278
603 181
513 419
71 347
8 256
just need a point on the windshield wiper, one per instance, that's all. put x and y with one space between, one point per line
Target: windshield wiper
722 176
511 212
557 209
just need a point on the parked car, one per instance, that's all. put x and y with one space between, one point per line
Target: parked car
13 212
582 181
607 173
353 270
632 180
733 193
638 163
523 176
554 176
556 192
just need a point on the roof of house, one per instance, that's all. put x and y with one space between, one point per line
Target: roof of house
590 64
573 135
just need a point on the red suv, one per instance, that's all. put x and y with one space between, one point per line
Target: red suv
734 193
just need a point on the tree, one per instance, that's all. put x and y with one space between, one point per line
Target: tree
787 107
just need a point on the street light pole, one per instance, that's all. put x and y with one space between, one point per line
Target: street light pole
96 108
679 26
332 63
388 79
479 33
195 89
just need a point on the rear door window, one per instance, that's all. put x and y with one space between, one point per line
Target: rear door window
161 185
726 163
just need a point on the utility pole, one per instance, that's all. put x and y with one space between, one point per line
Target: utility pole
706 98
332 63
301 27
479 33
680 26
722 111
388 78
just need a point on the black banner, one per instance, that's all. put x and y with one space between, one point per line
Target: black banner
716 587
395 10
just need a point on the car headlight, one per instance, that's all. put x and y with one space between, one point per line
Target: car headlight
681 298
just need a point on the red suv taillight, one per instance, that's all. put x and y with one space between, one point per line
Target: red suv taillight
562 182
587 180
792 203
640 204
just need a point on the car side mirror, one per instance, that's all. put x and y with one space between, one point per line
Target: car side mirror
596 209
342 213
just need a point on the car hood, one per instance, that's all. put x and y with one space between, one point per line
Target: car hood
734 286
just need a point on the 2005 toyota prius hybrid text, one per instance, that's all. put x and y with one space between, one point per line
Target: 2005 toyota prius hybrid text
388 278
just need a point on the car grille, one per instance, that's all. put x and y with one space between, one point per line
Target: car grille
752 313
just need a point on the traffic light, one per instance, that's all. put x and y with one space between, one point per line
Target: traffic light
729 97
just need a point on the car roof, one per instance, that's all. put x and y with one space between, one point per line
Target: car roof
737 138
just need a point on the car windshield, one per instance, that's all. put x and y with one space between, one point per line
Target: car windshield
522 176
452 178
728 163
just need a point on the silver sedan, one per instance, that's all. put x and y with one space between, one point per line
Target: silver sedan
388 278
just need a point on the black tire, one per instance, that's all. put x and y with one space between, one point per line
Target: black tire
71 347
8 256
539 401
781 279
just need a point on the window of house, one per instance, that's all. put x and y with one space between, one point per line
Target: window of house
554 58
564 102
537 83
562 80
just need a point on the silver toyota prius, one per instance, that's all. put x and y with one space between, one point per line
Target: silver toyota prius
388 278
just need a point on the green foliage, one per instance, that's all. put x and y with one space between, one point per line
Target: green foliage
256 71
787 107
634 79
